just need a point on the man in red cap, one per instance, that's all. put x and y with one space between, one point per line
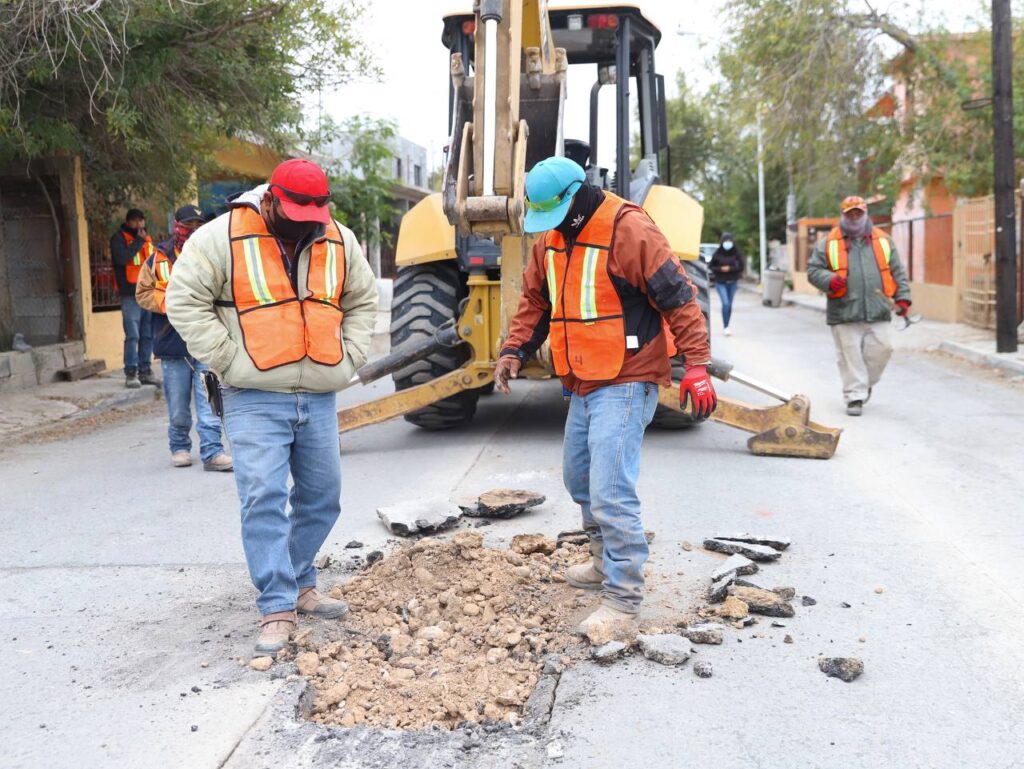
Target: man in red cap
859 269
277 299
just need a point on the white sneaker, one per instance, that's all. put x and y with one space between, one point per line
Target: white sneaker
727 331
181 459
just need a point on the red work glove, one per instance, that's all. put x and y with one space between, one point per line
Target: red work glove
837 283
696 385
902 305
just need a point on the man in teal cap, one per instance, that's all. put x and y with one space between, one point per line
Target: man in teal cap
602 284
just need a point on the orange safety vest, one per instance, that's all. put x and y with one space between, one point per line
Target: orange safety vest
279 327
133 267
838 262
161 274
588 329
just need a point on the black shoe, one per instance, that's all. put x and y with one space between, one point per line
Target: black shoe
147 378
131 381
855 408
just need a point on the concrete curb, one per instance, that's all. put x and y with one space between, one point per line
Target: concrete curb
118 400
989 359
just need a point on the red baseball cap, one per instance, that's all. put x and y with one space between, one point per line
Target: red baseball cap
301 186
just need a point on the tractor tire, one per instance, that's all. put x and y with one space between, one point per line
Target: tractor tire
427 296
664 417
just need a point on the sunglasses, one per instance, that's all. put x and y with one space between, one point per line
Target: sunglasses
302 198
552 203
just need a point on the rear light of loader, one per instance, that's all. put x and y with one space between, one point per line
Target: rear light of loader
468 27
603 21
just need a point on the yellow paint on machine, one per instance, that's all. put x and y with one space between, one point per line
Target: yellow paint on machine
425 234
679 217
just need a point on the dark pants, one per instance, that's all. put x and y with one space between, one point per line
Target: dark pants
138 337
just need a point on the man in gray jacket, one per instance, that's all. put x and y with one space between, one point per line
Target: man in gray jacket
277 299
859 269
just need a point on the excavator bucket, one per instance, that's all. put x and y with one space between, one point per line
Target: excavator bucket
785 430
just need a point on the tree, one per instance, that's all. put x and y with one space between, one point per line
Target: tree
362 179
144 90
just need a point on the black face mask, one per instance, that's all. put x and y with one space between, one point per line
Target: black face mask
288 230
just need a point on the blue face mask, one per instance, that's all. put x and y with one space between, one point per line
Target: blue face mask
727 245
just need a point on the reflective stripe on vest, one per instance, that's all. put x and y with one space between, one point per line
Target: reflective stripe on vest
134 267
588 336
838 260
278 327
161 275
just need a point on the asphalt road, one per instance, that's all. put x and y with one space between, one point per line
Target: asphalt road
122 577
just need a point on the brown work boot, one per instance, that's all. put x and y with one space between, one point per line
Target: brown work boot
586 576
316 604
221 463
606 623
275 630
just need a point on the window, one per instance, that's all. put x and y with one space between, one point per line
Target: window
398 169
417 176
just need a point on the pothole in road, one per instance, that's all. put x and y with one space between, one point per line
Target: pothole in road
443 632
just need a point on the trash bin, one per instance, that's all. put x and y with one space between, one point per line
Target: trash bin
773 280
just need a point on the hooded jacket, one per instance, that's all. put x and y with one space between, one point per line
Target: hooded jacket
863 301
200 307
731 258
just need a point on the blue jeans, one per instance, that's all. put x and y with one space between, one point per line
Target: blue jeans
138 336
181 385
600 467
726 293
271 435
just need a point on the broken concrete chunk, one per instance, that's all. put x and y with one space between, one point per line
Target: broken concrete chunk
787 593
762 601
261 664
779 543
322 561
355 544
754 552
527 544
575 537
504 503
610 652
807 601
843 668
419 517
468 540
600 633
717 591
307 663
667 649
703 669
733 608
704 633
739 564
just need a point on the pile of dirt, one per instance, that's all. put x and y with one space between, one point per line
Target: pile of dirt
445 631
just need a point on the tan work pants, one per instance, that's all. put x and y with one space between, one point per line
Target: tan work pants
862 350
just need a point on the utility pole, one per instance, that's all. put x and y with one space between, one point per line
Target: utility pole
760 195
1002 138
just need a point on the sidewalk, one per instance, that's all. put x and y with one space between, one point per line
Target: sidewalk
974 345
26 412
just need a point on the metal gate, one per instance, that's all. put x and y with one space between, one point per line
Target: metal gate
974 243
33 264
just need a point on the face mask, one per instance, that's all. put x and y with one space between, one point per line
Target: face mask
854 228
727 245
288 230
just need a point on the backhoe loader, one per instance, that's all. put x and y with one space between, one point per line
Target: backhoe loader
461 252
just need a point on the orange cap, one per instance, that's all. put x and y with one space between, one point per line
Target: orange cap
852 202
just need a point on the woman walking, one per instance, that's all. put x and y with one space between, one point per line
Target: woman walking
727 266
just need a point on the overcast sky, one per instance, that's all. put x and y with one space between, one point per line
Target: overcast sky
414 90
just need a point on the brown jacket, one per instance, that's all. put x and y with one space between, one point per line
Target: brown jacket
652 285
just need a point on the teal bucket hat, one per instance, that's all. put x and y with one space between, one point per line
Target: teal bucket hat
550 187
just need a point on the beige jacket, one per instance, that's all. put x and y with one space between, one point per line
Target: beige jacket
200 286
